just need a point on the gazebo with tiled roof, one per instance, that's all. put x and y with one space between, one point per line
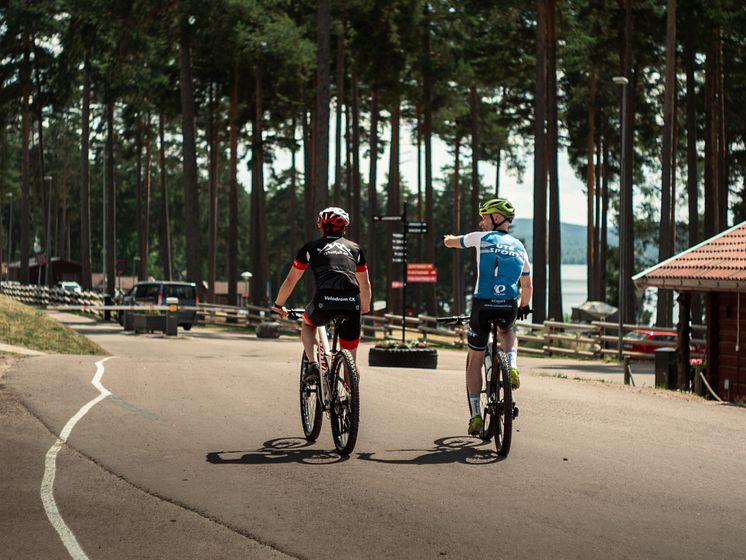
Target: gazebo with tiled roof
717 268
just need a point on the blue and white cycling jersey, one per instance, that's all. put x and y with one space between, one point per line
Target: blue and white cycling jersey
501 261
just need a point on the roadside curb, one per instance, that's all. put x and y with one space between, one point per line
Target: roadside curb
20 350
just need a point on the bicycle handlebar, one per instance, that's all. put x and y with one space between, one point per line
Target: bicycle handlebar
454 319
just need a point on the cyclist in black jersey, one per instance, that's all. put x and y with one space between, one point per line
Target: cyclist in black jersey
342 285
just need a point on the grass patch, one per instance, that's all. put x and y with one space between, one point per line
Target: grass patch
21 325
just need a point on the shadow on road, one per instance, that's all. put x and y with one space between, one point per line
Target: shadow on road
451 449
277 451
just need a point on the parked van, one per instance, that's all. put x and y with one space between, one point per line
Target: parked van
156 292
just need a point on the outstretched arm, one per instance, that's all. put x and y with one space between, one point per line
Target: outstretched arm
286 289
452 241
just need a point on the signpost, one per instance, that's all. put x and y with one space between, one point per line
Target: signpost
399 255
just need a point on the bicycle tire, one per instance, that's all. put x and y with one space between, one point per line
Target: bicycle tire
487 399
503 424
344 409
310 407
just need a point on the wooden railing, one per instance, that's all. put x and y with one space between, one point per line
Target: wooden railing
596 340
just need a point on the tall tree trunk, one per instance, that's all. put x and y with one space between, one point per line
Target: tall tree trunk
165 222
25 163
46 184
189 148
722 144
540 168
355 187
308 174
63 231
233 191
85 205
259 258
457 274
664 314
474 121
395 303
372 181
626 229
555 229
321 119
340 103
598 285
692 173
428 134
145 247
292 226
212 218
591 256
139 201
111 216
604 220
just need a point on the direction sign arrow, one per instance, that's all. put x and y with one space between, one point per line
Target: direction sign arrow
380 218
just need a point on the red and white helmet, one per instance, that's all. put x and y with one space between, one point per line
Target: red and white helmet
333 219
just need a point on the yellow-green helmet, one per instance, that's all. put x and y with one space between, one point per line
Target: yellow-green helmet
500 206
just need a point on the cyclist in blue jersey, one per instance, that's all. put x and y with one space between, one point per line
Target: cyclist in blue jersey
502 267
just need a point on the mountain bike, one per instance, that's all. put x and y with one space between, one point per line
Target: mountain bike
496 397
336 393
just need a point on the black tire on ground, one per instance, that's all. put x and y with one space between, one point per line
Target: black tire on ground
344 412
503 424
310 409
425 358
187 326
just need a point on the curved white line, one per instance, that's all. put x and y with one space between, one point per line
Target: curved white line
50 467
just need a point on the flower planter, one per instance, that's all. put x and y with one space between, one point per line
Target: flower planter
424 358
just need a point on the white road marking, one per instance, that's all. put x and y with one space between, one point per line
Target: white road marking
50 466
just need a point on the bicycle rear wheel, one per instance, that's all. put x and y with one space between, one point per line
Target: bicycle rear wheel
310 408
344 411
503 417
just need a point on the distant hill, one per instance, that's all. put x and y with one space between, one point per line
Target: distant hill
573 239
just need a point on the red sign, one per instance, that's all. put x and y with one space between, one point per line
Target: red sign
120 266
397 284
422 272
40 259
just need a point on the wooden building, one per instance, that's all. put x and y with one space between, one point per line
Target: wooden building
716 268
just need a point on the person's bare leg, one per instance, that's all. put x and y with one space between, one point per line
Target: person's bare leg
308 337
474 360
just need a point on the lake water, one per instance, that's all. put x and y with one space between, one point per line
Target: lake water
574 286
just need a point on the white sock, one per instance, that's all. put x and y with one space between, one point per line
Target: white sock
474 405
512 355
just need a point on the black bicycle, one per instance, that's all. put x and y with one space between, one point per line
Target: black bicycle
336 392
496 397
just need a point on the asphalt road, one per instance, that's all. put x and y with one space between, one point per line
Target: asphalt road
198 453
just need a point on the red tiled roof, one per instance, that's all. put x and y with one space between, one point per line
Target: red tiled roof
715 265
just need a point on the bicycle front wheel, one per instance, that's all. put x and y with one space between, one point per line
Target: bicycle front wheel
503 418
310 408
344 412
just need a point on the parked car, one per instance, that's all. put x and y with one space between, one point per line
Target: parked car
648 336
70 286
155 292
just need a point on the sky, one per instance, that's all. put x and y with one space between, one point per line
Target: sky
572 197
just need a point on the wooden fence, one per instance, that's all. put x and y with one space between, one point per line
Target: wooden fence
596 340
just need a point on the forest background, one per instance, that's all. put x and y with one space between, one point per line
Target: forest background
129 131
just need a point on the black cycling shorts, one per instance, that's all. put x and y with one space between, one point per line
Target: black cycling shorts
485 310
326 305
